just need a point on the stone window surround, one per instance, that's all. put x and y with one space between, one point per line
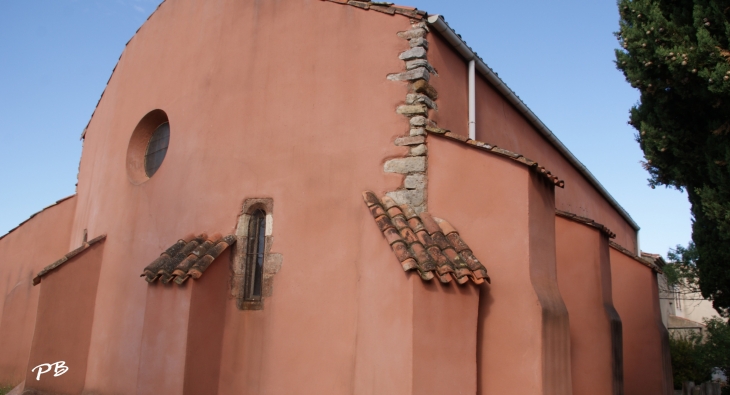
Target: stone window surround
272 261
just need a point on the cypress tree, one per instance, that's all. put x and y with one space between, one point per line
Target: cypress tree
677 54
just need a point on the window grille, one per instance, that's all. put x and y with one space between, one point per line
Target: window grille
255 250
157 149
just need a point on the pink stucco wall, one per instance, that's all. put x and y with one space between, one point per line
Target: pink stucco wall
290 101
308 121
63 327
25 251
499 123
635 293
584 276
506 215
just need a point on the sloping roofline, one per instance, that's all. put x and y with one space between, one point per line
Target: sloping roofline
455 40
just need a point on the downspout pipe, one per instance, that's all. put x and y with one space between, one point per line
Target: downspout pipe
438 23
472 100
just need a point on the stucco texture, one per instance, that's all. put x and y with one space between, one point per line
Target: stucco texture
63 326
506 213
584 276
636 299
25 251
308 121
499 123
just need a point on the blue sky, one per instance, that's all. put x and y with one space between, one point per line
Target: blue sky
57 55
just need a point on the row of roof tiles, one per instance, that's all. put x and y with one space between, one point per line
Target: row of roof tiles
32 216
497 151
384 7
586 221
188 257
55 265
424 243
646 261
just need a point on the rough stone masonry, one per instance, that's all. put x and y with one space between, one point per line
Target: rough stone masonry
420 99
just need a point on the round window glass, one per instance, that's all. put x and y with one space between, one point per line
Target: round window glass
157 149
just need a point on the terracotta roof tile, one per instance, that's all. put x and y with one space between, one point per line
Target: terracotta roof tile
188 257
55 265
642 260
586 221
434 130
385 7
429 245
33 216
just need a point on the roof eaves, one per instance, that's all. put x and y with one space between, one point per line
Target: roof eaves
34 214
55 265
455 40
493 149
646 262
384 7
585 221
83 133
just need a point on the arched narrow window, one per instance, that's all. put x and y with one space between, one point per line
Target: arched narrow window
255 250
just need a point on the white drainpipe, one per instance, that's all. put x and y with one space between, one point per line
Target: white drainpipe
472 100
437 22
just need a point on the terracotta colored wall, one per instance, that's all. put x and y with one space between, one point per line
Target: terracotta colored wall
63 326
506 214
164 340
287 100
183 332
499 123
636 298
445 337
452 85
205 329
25 251
584 276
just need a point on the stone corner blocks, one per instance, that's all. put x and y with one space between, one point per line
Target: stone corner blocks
414 164
420 98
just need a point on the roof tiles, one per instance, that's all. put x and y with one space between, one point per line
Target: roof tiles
55 265
384 7
646 261
188 257
586 221
33 216
426 244
434 130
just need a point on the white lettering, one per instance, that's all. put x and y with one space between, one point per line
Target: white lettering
60 368
41 371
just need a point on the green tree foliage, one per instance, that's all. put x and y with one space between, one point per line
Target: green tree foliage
681 271
675 52
695 356
688 360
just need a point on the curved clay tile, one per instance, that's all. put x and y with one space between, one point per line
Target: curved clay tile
429 245
188 257
150 272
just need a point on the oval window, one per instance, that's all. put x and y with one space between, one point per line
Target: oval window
156 149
